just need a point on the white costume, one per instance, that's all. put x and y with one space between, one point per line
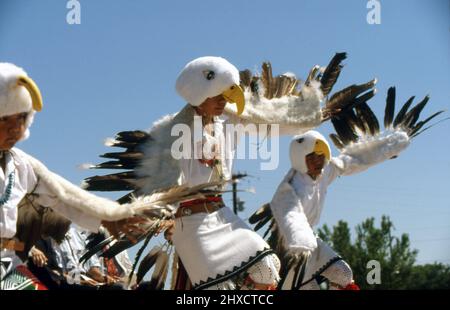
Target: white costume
299 200
215 247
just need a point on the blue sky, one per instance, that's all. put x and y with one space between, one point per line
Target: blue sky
116 71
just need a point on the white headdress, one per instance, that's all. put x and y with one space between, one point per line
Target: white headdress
207 77
18 94
302 145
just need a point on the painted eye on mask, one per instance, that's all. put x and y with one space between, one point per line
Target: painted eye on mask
209 75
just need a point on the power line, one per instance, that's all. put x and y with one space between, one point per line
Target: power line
433 260
427 227
434 239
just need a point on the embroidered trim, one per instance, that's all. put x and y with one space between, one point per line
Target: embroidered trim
236 270
322 269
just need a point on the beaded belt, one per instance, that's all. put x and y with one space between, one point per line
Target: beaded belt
207 205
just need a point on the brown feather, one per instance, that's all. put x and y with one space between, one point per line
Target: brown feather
130 156
261 213
415 130
136 136
147 263
159 274
366 114
175 270
413 115
246 78
123 181
348 94
267 79
332 72
390 107
312 74
401 114
337 142
344 130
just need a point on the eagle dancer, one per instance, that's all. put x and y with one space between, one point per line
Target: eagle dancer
214 246
298 202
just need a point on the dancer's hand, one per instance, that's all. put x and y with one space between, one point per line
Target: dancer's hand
38 257
129 227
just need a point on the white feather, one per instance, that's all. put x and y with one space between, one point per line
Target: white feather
303 112
110 141
86 166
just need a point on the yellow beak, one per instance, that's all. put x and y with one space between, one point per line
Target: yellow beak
32 88
321 148
234 94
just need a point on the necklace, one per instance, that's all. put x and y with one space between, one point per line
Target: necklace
7 195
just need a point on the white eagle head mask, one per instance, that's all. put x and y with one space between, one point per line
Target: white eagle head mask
207 77
18 94
302 145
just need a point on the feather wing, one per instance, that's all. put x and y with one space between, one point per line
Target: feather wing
146 164
268 93
146 158
358 130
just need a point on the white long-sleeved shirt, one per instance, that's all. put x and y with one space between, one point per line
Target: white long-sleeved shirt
194 172
70 250
25 183
298 201
312 193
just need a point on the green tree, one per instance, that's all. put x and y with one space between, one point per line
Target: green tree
394 255
430 276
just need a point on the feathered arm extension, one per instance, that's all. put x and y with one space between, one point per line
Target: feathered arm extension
289 230
294 105
301 110
359 138
294 229
160 203
71 196
155 205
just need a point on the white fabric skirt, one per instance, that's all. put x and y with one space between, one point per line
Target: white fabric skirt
216 246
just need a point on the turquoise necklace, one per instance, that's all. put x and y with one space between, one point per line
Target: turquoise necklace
7 195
